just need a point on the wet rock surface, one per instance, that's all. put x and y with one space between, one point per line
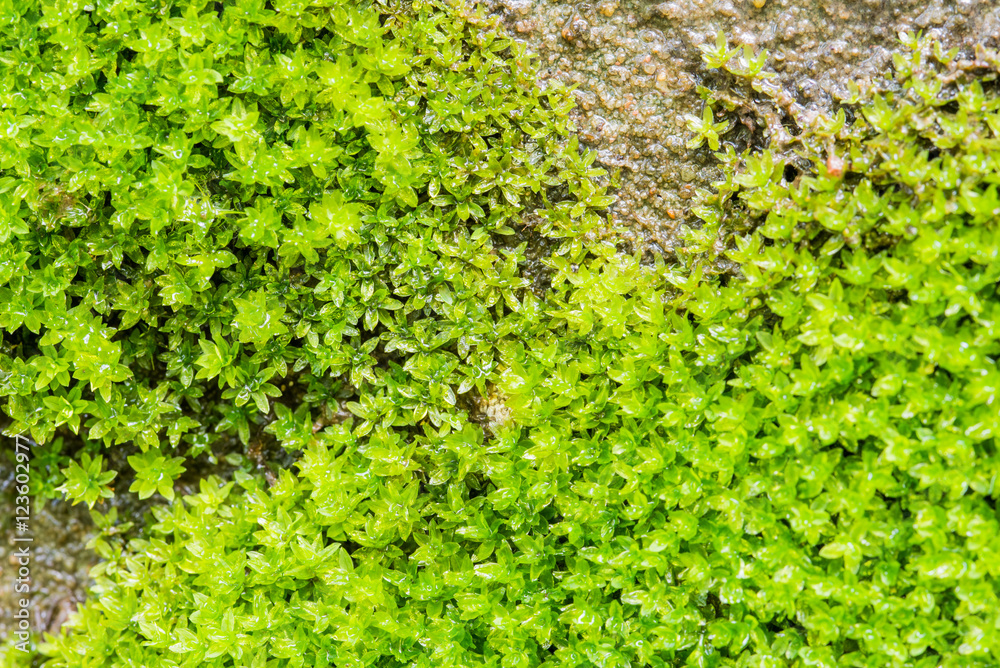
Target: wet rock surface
637 66
59 561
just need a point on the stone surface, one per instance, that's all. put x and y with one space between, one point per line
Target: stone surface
636 66
59 561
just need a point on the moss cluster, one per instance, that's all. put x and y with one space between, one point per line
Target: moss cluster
790 465
237 221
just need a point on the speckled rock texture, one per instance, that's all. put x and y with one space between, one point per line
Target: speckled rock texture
59 564
637 67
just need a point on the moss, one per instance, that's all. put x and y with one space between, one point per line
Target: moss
790 465
216 218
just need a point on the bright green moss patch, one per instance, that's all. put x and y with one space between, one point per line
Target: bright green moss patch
792 464
227 219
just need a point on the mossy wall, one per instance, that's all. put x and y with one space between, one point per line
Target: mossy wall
779 450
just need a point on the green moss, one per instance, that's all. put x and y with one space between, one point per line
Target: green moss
214 216
792 464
